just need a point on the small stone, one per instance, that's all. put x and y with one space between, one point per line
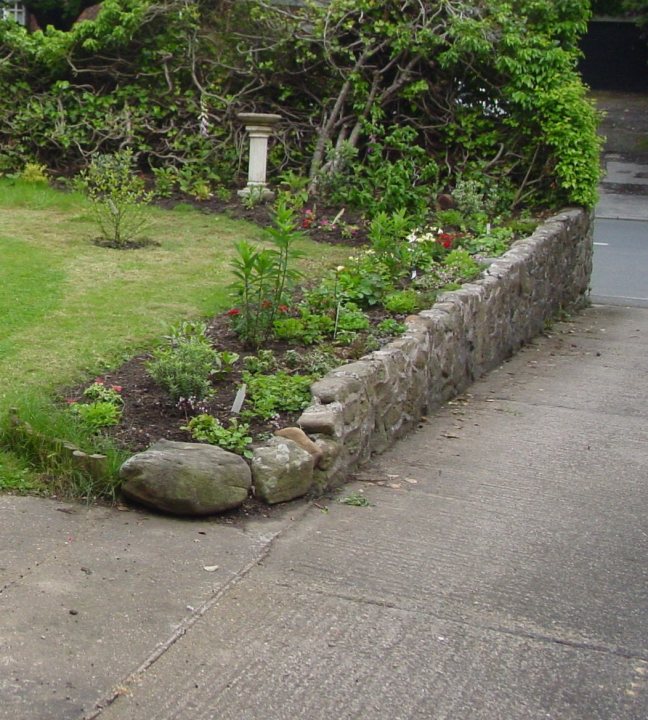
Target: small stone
282 471
299 436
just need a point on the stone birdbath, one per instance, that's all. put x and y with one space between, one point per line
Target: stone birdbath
259 127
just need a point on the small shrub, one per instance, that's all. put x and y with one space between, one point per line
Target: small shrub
166 181
34 173
235 437
185 368
118 198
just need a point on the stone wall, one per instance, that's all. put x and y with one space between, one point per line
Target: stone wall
361 408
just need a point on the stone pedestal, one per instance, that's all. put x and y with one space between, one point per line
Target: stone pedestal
259 127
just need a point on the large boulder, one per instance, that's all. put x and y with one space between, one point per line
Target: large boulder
186 478
282 470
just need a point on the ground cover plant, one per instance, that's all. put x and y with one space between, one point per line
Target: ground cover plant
69 309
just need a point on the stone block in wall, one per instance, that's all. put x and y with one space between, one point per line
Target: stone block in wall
281 471
324 419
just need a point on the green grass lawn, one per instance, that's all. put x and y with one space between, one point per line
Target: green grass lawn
70 310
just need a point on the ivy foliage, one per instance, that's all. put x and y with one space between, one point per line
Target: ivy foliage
481 88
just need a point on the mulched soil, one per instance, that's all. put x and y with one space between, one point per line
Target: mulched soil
317 219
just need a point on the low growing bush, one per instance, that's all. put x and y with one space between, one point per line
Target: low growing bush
185 367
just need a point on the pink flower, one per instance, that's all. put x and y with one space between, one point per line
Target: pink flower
116 388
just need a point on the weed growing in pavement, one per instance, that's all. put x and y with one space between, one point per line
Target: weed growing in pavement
355 499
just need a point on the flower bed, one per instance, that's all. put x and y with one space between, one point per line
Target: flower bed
360 408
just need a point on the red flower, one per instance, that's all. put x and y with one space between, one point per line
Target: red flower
70 401
446 240
234 311
307 220
265 304
283 309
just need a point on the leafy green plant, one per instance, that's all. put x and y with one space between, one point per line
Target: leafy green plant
402 302
390 327
314 362
355 499
461 263
34 173
351 319
185 367
97 415
100 392
263 362
118 196
490 244
397 174
166 180
235 437
281 392
387 235
263 276
363 280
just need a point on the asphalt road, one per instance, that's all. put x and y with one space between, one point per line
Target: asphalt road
621 227
620 275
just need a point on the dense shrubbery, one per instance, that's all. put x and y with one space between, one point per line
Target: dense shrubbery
407 95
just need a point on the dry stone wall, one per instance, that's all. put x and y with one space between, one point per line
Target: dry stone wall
361 408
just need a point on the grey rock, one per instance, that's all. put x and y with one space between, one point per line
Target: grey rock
281 470
186 478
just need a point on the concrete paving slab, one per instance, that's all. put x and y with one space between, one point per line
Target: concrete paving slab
89 594
285 653
498 573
